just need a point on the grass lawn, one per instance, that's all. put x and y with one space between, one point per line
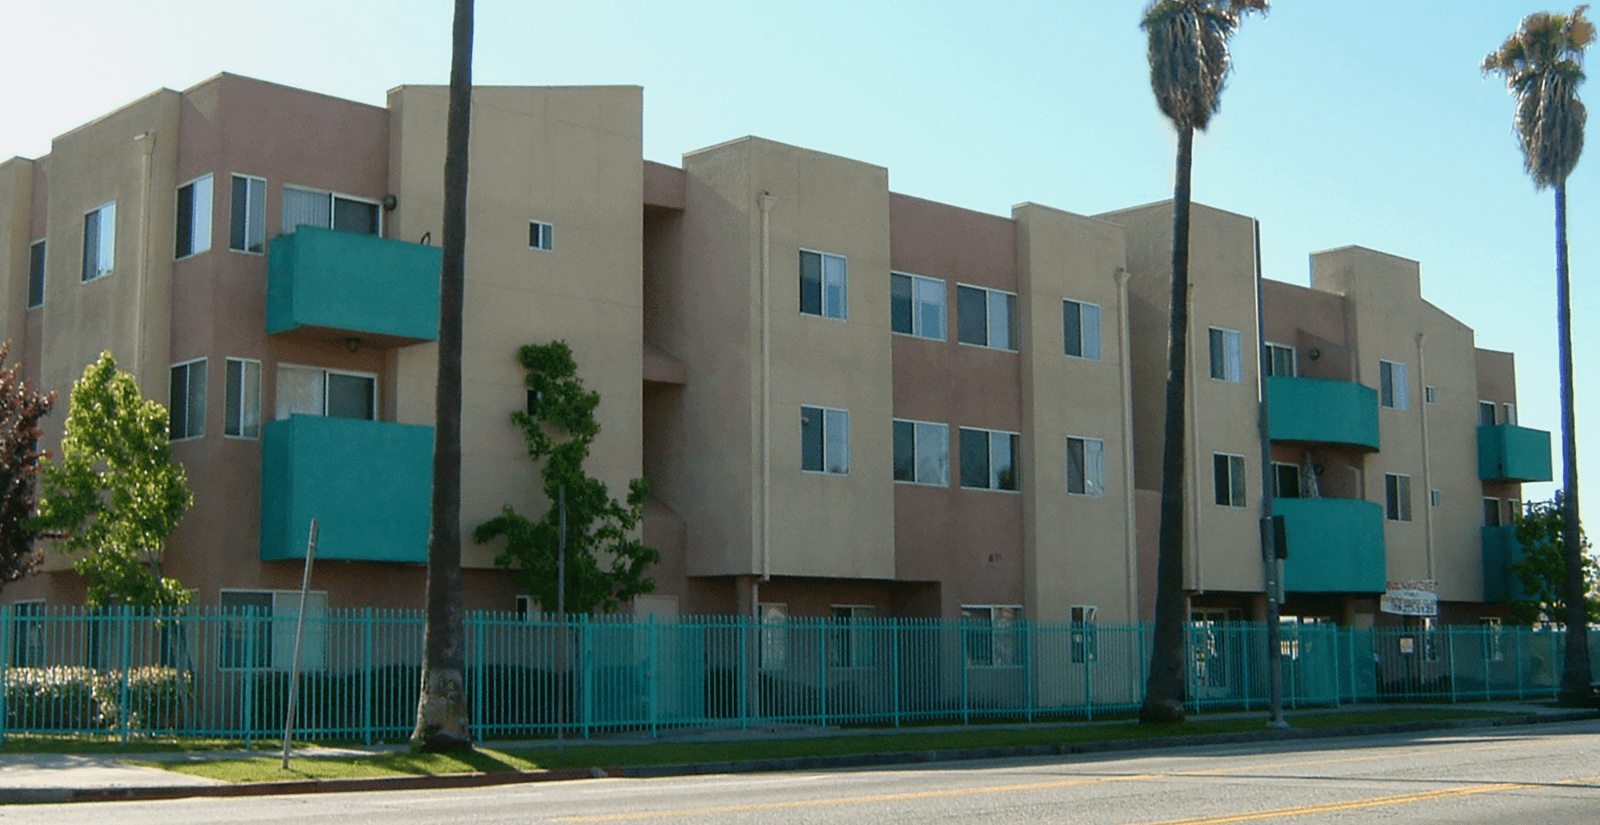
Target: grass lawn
266 768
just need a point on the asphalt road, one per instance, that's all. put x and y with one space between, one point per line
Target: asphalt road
1526 776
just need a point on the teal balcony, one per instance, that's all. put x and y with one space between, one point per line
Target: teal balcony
368 483
1501 550
1507 452
1319 410
340 285
1335 545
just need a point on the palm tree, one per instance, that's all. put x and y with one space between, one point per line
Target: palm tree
442 707
1189 64
1543 65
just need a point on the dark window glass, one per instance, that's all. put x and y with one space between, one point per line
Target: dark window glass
905 451
1287 479
1219 357
972 316
1491 512
1219 479
36 275
811 283
900 304
811 439
350 396
185 240
355 216
975 458
1072 327
240 215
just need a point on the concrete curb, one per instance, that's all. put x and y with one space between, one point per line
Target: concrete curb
862 760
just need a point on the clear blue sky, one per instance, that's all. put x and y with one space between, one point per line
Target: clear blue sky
1353 122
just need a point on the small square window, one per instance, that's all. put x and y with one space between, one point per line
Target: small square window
922 452
986 317
824 440
989 459
247 222
1436 497
187 400
1281 360
1430 394
541 235
917 306
194 217
1227 355
1228 476
1080 329
824 285
99 241
1286 480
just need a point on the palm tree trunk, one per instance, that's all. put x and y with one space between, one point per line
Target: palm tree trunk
442 707
1163 695
1575 676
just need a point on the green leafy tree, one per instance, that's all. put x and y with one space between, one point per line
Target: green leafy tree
21 407
606 564
117 494
1543 64
1189 64
1542 570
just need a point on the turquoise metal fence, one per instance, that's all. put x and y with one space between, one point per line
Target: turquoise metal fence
211 672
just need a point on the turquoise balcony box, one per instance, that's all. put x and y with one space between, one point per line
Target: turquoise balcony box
368 484
1501 550
341 285
1319 410
1335 545
1507 452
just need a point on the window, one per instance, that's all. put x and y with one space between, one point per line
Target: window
1436 497
186 399
774 636
990 636
1486 413
917 306
1280 360
1228 475
922 452
1085 645
247 227
1080 327
241 399
36 274
1513 510
988 459
1493 638
330 211
1397 497
1430 394
986 317
314 391
823 285
1286 480
194 217
27 634
1393 391
850 639
540 235
1086 466
99 241
824 440
1510 416
1491 512
260 629
1227 356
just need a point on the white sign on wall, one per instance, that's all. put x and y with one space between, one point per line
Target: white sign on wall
1413 598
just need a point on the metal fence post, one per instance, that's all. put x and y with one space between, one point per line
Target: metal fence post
652 683
586 650
746 637
822 672
475 620
366 675
961 660
1027 668
895 627
127 657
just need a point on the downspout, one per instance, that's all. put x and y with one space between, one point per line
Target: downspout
1427 454
766 201
1125 366
146 142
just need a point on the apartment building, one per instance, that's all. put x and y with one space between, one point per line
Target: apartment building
849 402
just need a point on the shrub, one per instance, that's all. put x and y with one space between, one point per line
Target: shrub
58 698
157 698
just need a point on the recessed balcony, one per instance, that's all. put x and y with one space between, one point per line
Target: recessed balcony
1317 410
341 286
1335 545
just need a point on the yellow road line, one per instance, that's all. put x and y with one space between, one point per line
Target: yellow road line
817 803
1357 804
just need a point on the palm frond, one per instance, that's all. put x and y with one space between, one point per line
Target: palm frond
1542 63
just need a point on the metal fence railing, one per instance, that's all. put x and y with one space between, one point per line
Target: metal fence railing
213 672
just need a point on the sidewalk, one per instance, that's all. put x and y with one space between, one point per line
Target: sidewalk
101 777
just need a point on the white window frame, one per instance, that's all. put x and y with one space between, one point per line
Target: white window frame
994 642
541 235
918 328
923 431
1397 497
1093 470
1084 640
826 414
1430 394
1493 631
994 480
41 260
1228 346
333 206
326 372
28 633
773 652
105 248
1277 351
254 217
850 636
1509 413
1088 343
1394 385
1492 505
1436 497
1277 480
194 426
837 310
1513 510
198 219
1237 493
990 298
239 397
279 620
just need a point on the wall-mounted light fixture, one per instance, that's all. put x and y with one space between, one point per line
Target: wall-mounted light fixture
390 202
1314 353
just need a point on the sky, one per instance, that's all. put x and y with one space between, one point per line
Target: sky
1362 122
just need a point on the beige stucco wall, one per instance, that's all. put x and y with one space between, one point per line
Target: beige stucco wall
838 526
568 156
1222 543
1078 550
16 223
